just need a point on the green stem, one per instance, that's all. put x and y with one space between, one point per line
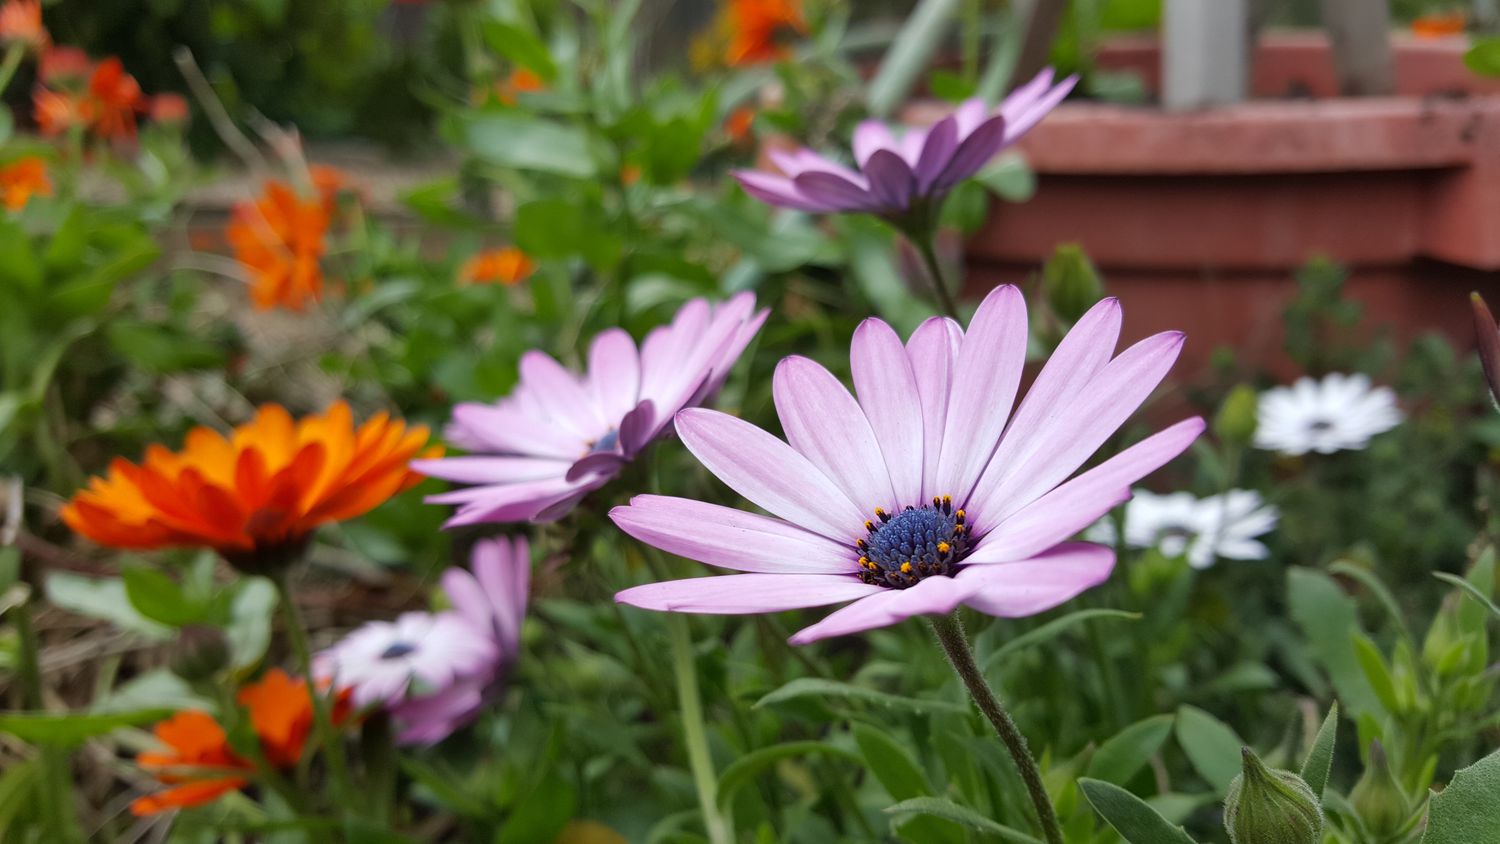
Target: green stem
695 734
950 634
13 58
57 790
333 751
924 244
378 749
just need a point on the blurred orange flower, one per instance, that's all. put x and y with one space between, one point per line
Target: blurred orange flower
23 178
507 265
738 124
1439 25
520 81
57 112
64 66
759 28
281 715
115 98
169 108
255 496
280 239
630 173
21 22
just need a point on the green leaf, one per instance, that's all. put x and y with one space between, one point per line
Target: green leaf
1330 619
818 687
64 252
158 349
1467 811
1009 177
520 46
1469 589
69 728
948 810
1377 587
1376 672
157 689
1212 747
1320 757
511 139
1126 752
100 597
909 55
249 628
1483 57
903 779
1131 816
158 597
745 768
19 267
561 228
1052 630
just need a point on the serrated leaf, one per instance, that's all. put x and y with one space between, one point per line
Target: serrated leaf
818 687
1131 816
937 807
1126 752
1320 758
1212 747
1467 811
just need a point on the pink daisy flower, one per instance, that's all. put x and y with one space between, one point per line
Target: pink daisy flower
560 436
926 491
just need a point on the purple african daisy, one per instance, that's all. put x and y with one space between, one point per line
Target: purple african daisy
434 672
926 491
559 436
898 176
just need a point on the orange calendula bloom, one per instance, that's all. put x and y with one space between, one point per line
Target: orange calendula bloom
739 123
169 109
280 239
520 81
281 715
21 22
57 112
64 66
255 496
22 179
759 28
116 98
506 265
1439 25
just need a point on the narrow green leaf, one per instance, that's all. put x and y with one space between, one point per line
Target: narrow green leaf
1372 663
1469 589
891 763
1131 816
1212 747
948 810
747 767
914 46
1330 619
68 728
1052 630
1126 752
1467 811
1377 587
1320 757
817 687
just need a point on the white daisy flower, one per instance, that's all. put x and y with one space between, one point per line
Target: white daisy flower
1337 413
387 661
1200 529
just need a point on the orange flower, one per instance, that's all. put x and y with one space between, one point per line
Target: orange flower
507 265
630 173
116 99
23 178
329 182
169 108
256 496
520 81
21 22
1439 25
281 715
279 238
758 27
738 124
64 66
57 112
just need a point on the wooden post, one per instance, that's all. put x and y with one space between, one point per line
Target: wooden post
1204 53
1360 33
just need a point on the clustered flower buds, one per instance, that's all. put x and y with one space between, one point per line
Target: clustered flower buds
1268 806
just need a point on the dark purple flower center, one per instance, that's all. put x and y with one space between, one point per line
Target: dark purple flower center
904 548
1320 425
397 650
608 442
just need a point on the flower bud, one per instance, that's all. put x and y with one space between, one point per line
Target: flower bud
1488 337
199 653
1380 801
1236 420
1072 283
1267 806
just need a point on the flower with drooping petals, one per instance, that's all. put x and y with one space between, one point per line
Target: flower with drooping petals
758 29
901 178
280 712
255 496
559 436
21 23
507 265
1340 412
22 179
926 491
279 238
57 112
1203 530
114 99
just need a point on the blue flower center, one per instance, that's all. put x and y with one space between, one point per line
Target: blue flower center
397 650
608 442
904 548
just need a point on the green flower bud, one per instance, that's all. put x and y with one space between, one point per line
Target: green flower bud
1380 801
1072 283
199 653
1236 420
1267 806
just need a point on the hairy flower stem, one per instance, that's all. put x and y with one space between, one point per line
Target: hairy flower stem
694 732
924 244
333 752
950 634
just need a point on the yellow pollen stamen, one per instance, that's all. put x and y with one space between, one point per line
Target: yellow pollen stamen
944 547
869 525
906 568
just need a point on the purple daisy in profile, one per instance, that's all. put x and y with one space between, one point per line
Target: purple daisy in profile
434 672
559 436
926 491
900 178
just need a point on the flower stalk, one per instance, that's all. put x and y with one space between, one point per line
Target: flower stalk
338 769
695 735
950 634
925 247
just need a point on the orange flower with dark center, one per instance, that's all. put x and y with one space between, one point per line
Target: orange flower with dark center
200 765
520 81
57 112
507 265
279 239
760 27
22 179
21 23
1439 25
116 99
255 496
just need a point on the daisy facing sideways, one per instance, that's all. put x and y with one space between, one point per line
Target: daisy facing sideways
1201 529
1340 412
924 492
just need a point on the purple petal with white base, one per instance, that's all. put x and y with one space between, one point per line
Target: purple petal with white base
559 436
899 502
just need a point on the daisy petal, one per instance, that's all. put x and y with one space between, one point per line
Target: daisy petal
825 424
933 349
1027 587
985 379
740 594
722 536
885 383
933 596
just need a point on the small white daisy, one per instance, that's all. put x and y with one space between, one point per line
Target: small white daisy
1337 413
1201 529
386 661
